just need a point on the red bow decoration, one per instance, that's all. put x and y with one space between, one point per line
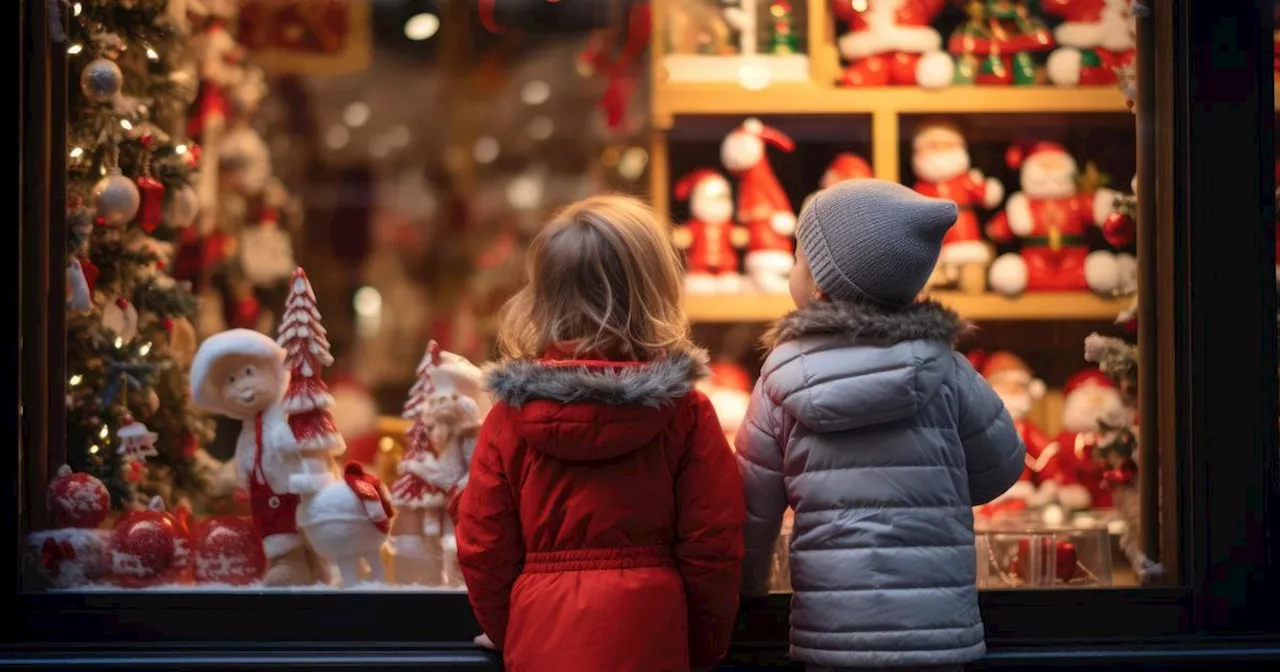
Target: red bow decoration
619 69
54 553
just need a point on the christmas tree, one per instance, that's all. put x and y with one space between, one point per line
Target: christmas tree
307 400
419 436
129 192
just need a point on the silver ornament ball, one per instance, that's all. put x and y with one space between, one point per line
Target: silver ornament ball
101 80
116 198
183 207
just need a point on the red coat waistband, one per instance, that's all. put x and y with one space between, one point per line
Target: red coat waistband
587 559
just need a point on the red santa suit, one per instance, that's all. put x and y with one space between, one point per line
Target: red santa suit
709 237
1078 473
1096 38
940 159
1013 382
1051 218
763 206
892 42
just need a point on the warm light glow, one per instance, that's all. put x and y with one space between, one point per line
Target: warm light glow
754 75
859 5
93 450
420 27
125 123
386 444
77 152
485 150
146 347
357 114
76 9
104 432
119 342
75 49
75 380
398 136
180 150
379 148
525 192
633 162
368 302
337 137
151 54
535 92
541 128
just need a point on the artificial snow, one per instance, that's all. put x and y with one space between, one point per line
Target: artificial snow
82 556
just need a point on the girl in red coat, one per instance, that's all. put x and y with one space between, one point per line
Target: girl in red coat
601 527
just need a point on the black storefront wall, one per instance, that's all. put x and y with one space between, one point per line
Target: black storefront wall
1209 335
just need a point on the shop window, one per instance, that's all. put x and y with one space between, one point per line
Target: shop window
404 154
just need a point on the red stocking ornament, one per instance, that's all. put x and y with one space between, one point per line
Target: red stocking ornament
150 191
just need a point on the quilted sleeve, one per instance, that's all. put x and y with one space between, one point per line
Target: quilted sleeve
760 463
709 536
993 450
490 547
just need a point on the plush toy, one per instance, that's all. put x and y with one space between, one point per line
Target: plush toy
763 206
710 237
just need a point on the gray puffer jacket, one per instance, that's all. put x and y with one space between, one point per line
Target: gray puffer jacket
881 438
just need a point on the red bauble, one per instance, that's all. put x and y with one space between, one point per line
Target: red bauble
1119 229
1064 559
151 210
145 549
227 549
77 500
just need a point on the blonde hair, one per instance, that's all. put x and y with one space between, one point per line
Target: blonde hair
604 275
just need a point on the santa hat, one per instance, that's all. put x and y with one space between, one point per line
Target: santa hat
1087 378
1018 154
686 185
243 342
937 130
1004 364
846 166
768 134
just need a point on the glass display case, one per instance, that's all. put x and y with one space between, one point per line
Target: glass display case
183 163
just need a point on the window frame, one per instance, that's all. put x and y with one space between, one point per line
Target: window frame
1206 413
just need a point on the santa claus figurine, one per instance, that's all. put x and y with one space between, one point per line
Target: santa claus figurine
1092 409
940 159
1014 383
1051 216
1096 37
846 166
710 237
892 42
763 207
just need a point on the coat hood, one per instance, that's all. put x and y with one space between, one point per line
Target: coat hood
594 410
837 366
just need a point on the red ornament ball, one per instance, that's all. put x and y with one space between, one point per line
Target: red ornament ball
227 549
144 549
77 500
1062 555
1119 229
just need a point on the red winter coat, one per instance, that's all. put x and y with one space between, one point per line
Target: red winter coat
601 527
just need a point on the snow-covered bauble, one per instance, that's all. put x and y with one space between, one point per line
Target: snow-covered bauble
144 548
227 549
101 80
67 558
77 499
182 208
116 198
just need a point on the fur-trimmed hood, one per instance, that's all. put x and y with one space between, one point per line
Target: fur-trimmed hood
868 324
584 411
653 384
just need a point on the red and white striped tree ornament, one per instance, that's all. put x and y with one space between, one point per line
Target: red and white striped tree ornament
307 399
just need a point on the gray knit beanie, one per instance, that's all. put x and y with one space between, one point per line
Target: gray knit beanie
873 239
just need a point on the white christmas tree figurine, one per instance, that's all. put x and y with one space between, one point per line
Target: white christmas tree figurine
307 400
137 442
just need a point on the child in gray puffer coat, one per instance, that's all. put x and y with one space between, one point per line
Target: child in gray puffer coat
881 438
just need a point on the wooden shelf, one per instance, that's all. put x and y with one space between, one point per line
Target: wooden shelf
1080 306
808 98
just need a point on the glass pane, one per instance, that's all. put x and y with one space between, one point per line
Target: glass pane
406 153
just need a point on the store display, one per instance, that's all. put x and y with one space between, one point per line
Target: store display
182 207
120 317
941 162
763 206
729 389
891 42
116 198
719 41
1096 38
846 166
147 548
1050 216
137 443
308 37
73 552
218 58
150 191
447 405
79 291
1014 383
227 550
355 417
1092 410
622 67
997 44
101 80
710 238
1023 554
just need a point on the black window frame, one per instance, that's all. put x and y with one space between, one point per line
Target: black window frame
1208 327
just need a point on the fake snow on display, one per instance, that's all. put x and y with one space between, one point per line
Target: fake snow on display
80 496
69 557
258 588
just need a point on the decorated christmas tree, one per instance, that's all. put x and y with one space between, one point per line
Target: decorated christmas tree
307 399
129 193
419 435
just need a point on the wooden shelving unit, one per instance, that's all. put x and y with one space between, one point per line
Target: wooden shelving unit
1080 306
